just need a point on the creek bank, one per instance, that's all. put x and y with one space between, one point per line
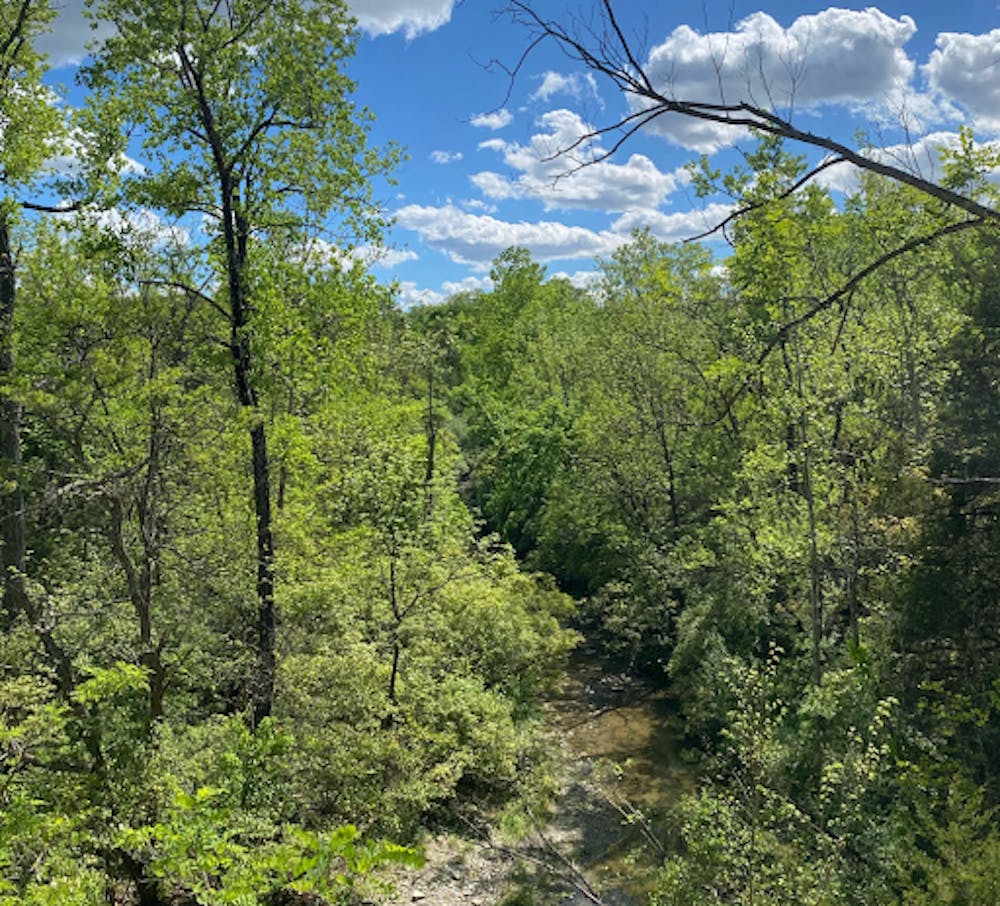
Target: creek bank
620 770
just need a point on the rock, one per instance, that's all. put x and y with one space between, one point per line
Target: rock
418 895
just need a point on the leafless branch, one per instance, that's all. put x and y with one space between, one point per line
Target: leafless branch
622 69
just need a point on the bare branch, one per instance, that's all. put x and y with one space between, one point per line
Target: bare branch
629 77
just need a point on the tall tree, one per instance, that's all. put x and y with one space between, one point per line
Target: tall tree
246 120
30 123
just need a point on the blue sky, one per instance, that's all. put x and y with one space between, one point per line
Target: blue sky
476 179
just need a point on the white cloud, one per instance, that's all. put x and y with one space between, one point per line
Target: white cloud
142 227
842 177
546 171
476 239
576 85
477 204
966 69
319 252
386 258
414 17
580 279
673 227
409 294
446 157
496 120
836 56
68 161
469 284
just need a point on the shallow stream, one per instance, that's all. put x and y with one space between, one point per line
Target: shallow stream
620 741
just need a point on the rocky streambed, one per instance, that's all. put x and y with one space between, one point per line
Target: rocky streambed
619 769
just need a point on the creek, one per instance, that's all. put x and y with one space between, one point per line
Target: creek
621 770
622 743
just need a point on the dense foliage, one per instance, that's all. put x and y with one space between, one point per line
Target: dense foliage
286 570
252 638
783 496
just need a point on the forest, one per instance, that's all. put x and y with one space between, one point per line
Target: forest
290 572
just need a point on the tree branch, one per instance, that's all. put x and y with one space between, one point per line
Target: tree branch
654 103
842 293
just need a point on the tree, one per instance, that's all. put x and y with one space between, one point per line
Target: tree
30 124
246 119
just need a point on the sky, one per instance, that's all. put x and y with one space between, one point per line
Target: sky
480 173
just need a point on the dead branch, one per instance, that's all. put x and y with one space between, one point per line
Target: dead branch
611 56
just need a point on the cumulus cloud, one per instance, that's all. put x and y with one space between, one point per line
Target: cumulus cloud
378 256
413 17
445 157
470 284
547 175
477 204
409 295
836 56
580 279
68 161
576 85
319 252
476 239
673 227
496 120
966 69
142 228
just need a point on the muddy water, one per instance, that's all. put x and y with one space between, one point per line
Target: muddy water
622 741
585 841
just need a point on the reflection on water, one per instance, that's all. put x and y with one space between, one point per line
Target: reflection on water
623 740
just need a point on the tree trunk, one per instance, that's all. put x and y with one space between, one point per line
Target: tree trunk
12 502
431 431
264 681
236 234
397 616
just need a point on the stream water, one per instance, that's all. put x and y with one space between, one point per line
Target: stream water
621 738
620 742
